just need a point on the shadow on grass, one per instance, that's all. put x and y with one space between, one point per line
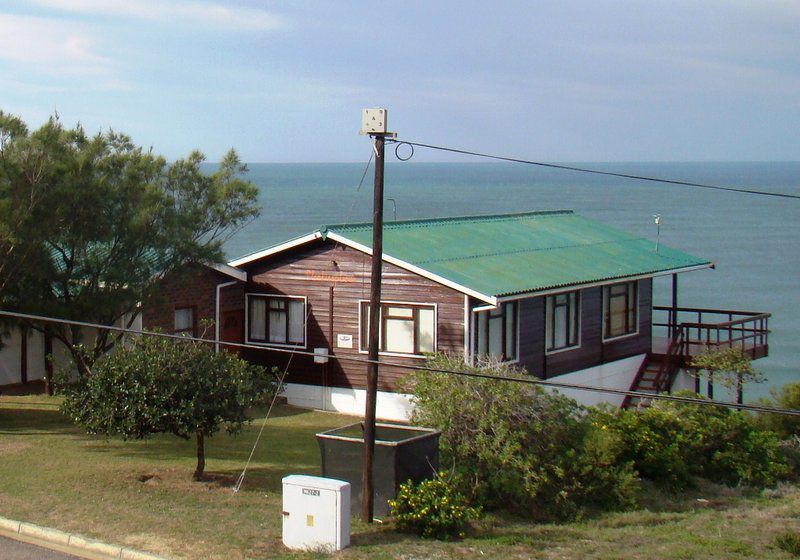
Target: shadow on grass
28 421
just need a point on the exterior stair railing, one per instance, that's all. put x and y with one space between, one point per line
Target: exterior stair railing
703 331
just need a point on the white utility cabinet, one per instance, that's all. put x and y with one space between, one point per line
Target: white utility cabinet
316 513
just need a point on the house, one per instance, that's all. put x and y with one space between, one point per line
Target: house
556 293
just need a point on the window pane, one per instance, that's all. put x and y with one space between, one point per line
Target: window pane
365 326
511 338
277 303
548 327
297 318
617 314
258 309
560 330
425 330
496 336
399 311
483 331
399 335
277 326
184 319
575 321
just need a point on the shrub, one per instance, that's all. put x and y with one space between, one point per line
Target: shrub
785 396
789 542
670 443
433 509
517 447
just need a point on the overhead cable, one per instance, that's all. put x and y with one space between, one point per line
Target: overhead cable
587 170
549 383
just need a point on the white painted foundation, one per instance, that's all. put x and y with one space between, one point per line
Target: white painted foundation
612 375
389 406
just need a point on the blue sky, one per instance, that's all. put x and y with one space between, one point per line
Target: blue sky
286 81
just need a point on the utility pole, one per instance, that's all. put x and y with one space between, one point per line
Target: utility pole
374 124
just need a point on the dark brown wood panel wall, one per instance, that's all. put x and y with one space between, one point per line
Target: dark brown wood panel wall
312 271
193 286
592 351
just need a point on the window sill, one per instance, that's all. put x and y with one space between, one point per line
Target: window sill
299 346
399 355
619 337
562 350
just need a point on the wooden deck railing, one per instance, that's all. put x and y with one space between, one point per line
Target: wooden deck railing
716 328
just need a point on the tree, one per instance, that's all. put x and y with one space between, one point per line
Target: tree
91 224
786 396
153 385
732 367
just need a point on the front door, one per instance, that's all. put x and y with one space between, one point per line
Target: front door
232 328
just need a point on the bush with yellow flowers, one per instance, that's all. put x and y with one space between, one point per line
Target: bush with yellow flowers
433 509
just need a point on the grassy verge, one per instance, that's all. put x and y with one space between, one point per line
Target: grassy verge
140 494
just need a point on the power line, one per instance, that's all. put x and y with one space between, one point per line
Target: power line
586 170
529 381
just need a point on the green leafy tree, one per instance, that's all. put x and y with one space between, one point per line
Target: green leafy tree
89 224
731 367
786 396
153 385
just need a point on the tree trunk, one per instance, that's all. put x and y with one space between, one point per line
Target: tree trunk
201 457
739 389
710 386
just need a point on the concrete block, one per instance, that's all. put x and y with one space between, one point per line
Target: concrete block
50 535
130 554
9 525
95 546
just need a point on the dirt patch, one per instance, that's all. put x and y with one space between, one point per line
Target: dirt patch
149 479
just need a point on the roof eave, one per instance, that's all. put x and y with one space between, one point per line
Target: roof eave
297 241
604 282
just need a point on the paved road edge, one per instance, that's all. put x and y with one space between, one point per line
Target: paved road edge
69 543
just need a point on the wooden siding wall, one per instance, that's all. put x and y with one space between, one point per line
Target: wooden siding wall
593 350
319 269
194 286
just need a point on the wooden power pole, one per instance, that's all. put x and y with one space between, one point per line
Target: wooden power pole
374 124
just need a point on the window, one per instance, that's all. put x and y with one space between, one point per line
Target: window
563 321
496 332
277 320
183 320
620 310
404 328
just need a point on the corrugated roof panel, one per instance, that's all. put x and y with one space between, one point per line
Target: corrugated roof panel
515 253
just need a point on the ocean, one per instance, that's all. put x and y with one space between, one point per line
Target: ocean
753 240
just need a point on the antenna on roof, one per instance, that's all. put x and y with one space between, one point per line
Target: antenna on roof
657 219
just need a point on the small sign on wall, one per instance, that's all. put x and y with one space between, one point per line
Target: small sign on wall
344 340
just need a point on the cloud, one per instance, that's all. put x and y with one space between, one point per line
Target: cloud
49 43
175 11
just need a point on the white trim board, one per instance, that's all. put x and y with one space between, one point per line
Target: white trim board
489 299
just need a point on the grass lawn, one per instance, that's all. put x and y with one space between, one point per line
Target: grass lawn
140 494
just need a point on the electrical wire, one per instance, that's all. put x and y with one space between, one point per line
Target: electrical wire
529 381
585 170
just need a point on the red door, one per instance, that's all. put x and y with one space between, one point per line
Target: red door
232 328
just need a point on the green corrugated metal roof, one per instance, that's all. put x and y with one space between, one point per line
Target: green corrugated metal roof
508 254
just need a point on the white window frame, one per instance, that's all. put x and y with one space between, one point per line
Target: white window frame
548 320
604 303
275 344
191 332
474 330
434 306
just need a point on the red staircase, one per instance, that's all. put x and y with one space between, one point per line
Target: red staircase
727 329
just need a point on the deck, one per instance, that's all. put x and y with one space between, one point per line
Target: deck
682 332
